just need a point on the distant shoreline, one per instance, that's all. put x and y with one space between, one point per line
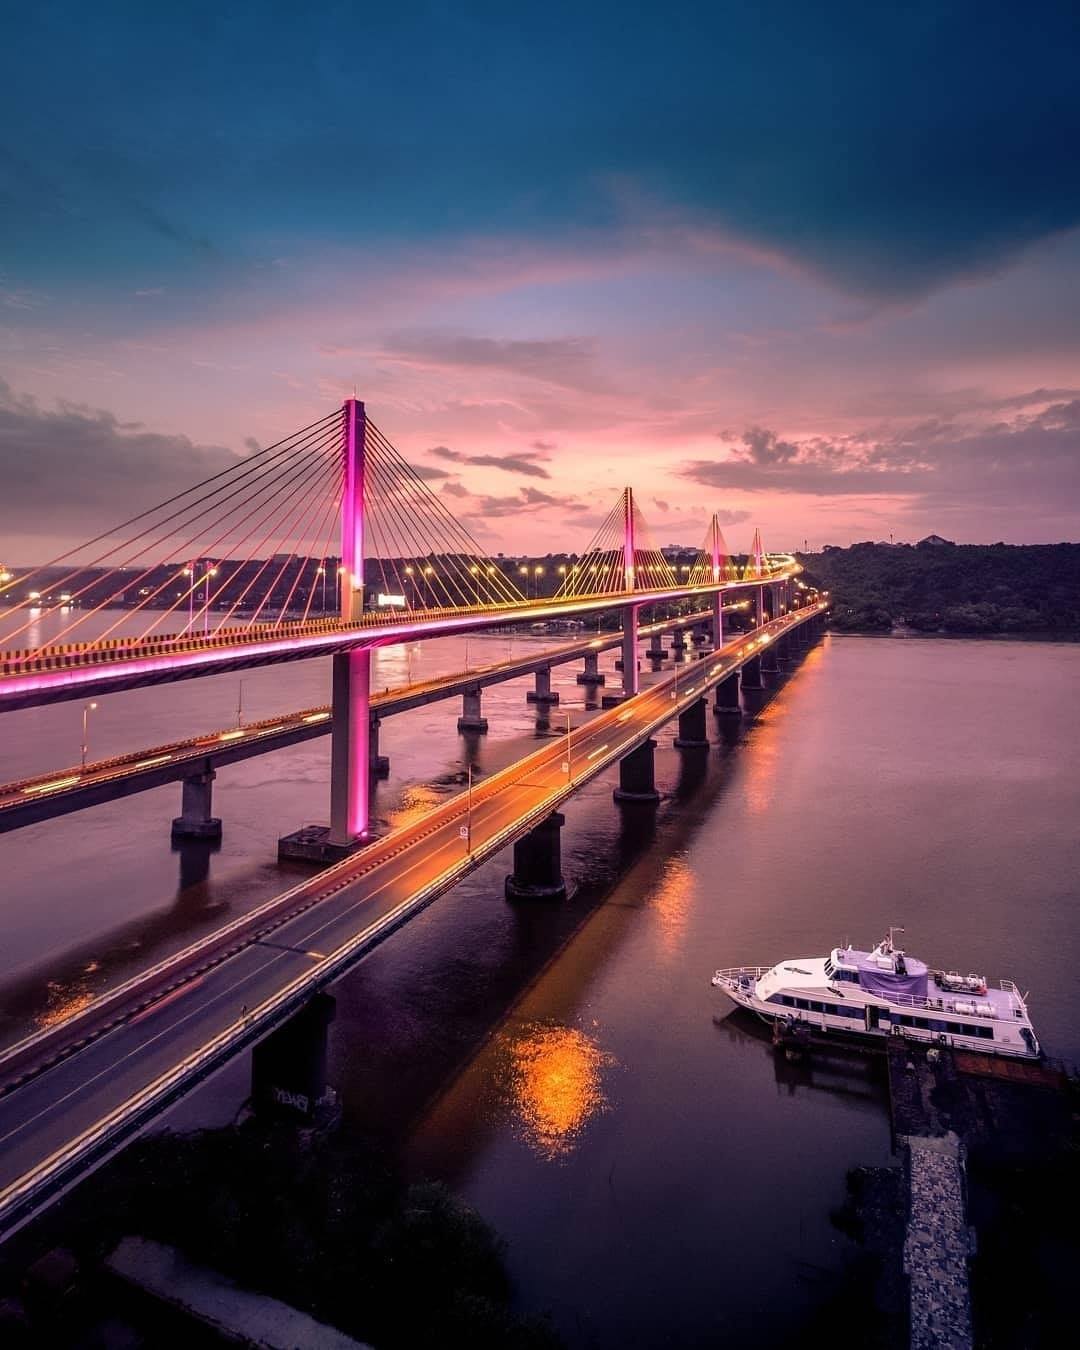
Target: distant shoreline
1066 639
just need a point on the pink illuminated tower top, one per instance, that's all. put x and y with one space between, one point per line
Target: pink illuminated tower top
352 511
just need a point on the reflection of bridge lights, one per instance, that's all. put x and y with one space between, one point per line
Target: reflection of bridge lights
554 1085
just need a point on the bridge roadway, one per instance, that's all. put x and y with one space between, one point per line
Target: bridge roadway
87 669
75 1093
26 801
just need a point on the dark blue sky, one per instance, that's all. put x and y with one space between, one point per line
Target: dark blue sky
607 181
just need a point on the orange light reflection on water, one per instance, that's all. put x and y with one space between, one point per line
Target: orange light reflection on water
553 1083
672 902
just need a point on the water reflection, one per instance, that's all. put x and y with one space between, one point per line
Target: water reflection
550 1079
671 902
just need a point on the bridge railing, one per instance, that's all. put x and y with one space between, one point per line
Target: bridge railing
111 650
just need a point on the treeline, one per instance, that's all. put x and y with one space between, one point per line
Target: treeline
951 588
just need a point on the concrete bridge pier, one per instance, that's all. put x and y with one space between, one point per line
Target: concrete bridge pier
288 1068
751 674
537 873
699 637
196 819
678 644
656 650
692 727
637 777
379 765
718 620
592 673
542 691
768 660
759 605
472 718
727 697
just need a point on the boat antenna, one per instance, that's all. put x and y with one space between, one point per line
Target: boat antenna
891 932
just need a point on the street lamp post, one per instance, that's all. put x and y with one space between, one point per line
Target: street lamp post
88 708
212 572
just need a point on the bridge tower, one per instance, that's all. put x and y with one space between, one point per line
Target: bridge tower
350 739
718 559
630 681
757 556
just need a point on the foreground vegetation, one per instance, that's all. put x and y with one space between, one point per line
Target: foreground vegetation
952 588
331 1229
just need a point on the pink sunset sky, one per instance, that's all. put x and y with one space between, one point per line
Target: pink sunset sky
819 346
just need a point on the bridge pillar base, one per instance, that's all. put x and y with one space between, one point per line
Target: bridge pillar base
613 700
196 800
288 1068
619 663
542 691
727 697
312 844
637 781
537 873
472 719
692 731
751 674
657 651
591 674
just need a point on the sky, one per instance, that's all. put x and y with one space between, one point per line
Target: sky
813 267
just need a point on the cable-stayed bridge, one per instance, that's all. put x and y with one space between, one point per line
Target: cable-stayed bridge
72 1093
215 573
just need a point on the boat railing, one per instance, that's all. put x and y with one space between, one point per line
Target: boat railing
733 972
944 1003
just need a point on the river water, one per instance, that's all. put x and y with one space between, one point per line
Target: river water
659 1177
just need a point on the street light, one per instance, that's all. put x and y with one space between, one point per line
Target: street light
206 599
524 571
88 708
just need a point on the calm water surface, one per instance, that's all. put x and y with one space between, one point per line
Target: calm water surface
658 1177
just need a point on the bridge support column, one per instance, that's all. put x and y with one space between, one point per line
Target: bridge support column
537 873
727 697
350 748
196 820
759 605
591 674
656 648
379 764
751 674
768 659
637 778
542 691
718 620
692 730
288 1068
472 719
699 637
678 644
196 805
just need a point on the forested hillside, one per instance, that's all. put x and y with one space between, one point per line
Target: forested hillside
952 588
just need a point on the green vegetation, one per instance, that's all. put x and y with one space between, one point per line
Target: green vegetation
328 1227
952 588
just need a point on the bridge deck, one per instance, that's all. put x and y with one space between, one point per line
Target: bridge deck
55 674
44 796
77 1092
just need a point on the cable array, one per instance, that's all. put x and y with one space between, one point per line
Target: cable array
415 548
183 562
603 568
256 545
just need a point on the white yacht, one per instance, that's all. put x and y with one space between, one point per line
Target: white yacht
885 991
